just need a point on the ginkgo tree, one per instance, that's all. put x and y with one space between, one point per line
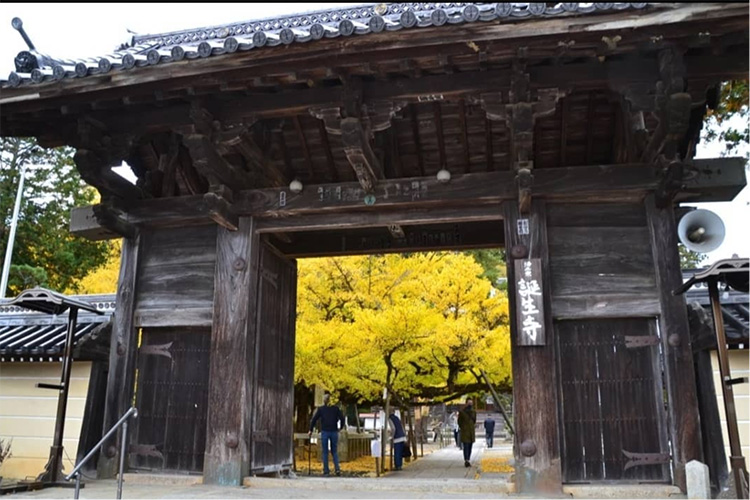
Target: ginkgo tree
420 325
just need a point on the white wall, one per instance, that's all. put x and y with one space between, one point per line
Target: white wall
739 365
27 414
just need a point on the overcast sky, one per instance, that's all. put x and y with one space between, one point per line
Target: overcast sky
88 30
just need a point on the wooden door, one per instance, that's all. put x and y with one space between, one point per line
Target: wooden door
171 396
272 429
612 401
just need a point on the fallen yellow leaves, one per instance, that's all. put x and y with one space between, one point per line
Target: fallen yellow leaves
495 464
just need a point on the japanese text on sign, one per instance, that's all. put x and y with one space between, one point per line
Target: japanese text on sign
529 302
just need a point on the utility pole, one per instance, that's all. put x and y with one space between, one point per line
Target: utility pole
12 236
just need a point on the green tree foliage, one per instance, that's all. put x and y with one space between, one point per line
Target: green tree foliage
690 259
733 101
421 325
493 263
45 253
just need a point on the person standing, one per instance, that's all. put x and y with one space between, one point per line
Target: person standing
489 431
467 419
330 417
399 439
453 422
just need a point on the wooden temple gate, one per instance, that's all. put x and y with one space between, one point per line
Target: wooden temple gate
564 133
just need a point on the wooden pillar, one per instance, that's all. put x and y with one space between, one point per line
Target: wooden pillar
537 443
684 423
122 355
227 456
93 414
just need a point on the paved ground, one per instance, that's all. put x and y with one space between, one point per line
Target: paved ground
440 474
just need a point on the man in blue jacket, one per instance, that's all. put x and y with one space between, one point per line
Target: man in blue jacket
399 439
489 431
330 417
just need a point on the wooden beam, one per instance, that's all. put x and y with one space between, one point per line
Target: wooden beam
305 149
489 160
258 159
288 167
377 240
410 217
439 131
715 179
210 164
590 128
392 152
684 421
564 131
579 76
334 174
464 135
415 135
168 166
359 153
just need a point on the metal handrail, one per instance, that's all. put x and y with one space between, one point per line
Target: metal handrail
132 412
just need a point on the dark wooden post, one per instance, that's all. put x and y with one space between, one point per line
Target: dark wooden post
227 457
93 414
537 443
684 423
122 355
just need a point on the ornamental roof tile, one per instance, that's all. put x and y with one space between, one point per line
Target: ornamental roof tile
33 67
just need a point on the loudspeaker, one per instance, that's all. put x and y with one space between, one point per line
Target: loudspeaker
701 231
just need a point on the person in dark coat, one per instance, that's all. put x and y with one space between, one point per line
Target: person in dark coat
467 419
399 439
489 431
330 416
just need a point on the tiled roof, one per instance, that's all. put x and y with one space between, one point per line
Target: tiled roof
33 336
734 308
149 50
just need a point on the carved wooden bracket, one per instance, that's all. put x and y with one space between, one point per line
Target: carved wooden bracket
97 152
218 204
376 116
356 124
520 111
207 140
359 153
520 118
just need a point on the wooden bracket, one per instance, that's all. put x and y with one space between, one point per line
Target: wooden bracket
206 140
520 111
525 179
218 205
673 107
671 182
112 219
360 154
97 152
376 116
